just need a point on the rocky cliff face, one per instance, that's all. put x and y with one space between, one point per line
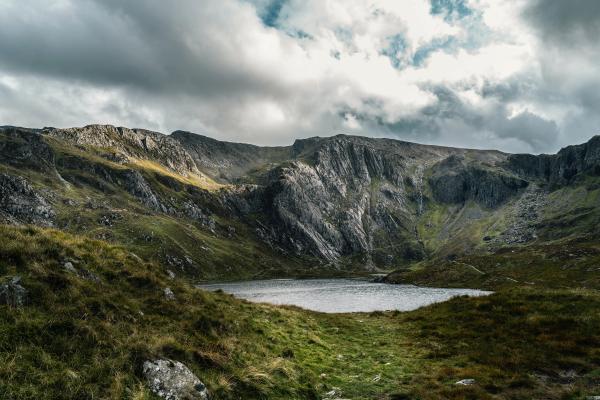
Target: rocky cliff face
360 197
455 181
341 199
562 168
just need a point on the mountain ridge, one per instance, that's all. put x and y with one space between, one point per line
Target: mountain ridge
344 202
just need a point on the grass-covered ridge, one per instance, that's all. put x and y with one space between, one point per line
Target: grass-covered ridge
82 339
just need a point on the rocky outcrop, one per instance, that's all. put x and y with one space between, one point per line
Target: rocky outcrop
12 293
21 203
136 185
20 147
561 168
455 181
345 196
171 380
136 143
342 198
523 218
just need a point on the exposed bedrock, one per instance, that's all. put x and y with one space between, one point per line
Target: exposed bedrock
454 181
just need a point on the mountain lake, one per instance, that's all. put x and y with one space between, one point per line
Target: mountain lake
339 295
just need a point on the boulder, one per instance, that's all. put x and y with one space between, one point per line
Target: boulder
68 266
12 293
172 380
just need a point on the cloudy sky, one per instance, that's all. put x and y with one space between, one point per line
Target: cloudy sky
520 75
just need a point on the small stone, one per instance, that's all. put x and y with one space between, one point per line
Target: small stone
334 393
171 274
465 382
68 266
377 378
169 295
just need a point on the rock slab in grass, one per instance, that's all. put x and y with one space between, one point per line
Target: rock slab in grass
172 380
12 293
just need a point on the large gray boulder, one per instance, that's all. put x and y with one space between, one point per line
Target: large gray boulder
171 380
12 293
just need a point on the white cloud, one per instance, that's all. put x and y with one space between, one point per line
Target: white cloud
327 66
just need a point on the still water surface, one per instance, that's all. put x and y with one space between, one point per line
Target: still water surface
340 295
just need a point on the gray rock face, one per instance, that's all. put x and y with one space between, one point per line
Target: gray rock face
561 168
341 197
345 196
20 203
12 293
454 181
135 184
171 380
525 216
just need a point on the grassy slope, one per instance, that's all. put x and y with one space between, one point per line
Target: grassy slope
564 264
78 339
566 254
82 199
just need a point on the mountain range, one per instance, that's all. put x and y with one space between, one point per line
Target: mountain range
322 206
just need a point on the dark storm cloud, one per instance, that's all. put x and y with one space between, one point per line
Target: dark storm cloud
135 44
569 52
536 131
566 21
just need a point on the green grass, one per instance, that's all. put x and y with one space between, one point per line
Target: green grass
563 264
78 339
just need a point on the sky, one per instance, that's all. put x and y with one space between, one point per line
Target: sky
518 76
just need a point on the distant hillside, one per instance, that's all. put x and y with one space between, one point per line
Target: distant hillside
220 210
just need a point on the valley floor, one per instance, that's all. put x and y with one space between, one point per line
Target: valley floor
85 330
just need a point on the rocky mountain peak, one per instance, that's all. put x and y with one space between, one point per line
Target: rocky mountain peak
133 143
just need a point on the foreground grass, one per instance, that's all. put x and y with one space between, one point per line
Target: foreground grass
80 339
